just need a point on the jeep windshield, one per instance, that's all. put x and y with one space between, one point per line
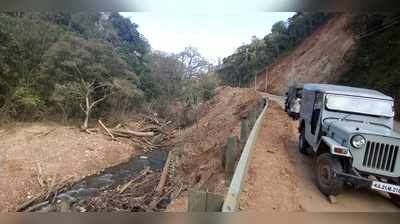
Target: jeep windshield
360 105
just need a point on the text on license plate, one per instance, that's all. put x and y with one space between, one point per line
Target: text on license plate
390 188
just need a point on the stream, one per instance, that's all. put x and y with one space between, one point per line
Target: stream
113 176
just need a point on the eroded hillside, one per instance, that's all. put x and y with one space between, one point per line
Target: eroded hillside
320 58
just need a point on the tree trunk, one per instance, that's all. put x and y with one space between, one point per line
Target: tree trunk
86 121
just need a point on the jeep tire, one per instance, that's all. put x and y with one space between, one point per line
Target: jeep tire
327 181
395 198
303 144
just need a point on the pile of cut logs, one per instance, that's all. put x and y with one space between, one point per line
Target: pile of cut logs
48 196
152 133
147 192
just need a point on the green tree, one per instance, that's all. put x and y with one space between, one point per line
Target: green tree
248 60
93 68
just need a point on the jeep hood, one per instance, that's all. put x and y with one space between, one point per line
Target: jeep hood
350 127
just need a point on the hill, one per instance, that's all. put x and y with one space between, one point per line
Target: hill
376 63
320 58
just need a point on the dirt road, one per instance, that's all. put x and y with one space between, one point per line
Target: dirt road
281 179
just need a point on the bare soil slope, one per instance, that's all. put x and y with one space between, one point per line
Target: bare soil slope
202 144
320 58
282 179
34 153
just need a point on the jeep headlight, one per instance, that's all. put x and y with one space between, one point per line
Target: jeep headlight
358 141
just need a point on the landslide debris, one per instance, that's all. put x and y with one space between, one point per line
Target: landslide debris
321 58
201 146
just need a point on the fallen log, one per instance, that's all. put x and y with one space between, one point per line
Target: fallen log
164 174
122 135
47 195
37 206
28 203
40 175
134 133
150 128
95 130
153 204
106 129
118 126
142 173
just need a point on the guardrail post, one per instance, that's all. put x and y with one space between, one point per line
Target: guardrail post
231 202
230 156
197 201
202 201
252 118
244 132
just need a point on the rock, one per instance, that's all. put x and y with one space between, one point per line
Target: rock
48 208
332 199
65 206
65 197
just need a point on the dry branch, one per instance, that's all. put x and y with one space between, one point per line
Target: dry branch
43 198
40 175
152 119
37 206
133 133
46 133
92 129
143 173
106 129
118 126
150 128
164 174
89 101
28 203
157 200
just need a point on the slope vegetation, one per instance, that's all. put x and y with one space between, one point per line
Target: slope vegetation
376 63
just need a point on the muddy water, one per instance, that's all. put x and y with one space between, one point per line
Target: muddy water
114 176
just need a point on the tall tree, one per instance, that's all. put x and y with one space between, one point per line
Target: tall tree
194 65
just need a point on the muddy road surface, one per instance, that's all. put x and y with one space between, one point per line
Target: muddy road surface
282 179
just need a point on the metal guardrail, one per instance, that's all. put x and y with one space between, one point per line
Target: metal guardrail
231 202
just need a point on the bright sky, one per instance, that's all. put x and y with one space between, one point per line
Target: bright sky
214 34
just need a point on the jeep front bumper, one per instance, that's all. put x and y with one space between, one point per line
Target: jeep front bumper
368 183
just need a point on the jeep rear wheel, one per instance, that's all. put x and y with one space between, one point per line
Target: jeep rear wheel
327 181
303 144
395 198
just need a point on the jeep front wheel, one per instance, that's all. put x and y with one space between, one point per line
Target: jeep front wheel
395 198
303 144
327 181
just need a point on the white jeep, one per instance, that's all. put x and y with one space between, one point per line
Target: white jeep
350 133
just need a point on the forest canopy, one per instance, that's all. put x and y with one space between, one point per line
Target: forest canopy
75 64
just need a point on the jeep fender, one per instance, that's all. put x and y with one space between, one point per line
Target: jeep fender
332 145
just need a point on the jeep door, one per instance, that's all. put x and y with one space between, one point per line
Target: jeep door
313 117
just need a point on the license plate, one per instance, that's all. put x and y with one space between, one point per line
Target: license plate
390 188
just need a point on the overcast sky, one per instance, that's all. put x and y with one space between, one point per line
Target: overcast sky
214 34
